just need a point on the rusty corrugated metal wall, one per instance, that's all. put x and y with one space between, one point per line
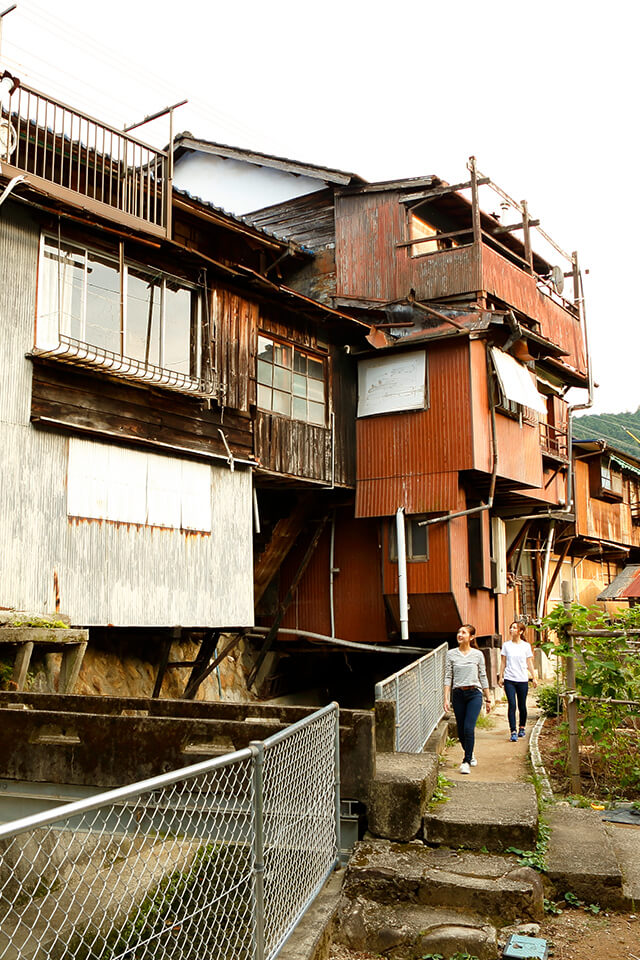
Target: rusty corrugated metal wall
367 229
412 459
106 572
519 290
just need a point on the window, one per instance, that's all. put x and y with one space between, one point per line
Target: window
291 381
420 230
392 383
416 538
605 479
126 311
106 482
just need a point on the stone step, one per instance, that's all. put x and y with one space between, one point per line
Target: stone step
410 932
400 792
487 885
490 816
625 840
581 858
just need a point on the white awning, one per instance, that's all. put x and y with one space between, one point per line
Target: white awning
516 381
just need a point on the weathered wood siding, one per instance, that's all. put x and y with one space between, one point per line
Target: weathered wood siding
309 220
98 572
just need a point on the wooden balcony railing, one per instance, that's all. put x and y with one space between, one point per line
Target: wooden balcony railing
553 440
70 155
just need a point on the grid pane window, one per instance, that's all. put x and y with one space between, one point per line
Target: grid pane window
416 538
298 380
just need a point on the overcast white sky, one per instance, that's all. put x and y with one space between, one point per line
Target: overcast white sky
545 95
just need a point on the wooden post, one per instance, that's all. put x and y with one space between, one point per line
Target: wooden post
571 705
475 204
22 660
72 658
528 253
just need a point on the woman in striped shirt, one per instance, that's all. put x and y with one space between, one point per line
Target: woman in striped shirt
465 679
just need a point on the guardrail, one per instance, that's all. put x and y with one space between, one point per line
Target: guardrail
218 859
73 153
417 691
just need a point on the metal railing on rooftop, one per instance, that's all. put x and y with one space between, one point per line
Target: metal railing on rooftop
71 153
220 859
418 694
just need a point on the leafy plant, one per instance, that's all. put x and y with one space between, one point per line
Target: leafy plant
551 907
439 795
534 858
548 700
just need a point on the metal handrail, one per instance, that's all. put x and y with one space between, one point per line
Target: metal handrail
418 693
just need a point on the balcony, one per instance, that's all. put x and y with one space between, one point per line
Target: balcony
73 158
553 441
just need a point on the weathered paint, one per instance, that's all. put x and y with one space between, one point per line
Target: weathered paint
99 573
602 519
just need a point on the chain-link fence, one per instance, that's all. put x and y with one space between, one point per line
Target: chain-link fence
417 692
219 859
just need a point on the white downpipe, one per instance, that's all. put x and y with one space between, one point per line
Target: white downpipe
403 597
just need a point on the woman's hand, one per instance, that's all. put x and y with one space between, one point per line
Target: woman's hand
534 681
499 681
447 706
487 704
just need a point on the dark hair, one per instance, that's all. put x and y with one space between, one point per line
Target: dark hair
472 630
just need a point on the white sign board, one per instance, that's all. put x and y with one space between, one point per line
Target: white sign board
391 383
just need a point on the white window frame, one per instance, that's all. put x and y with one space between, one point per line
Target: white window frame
411 521
52 338
393 383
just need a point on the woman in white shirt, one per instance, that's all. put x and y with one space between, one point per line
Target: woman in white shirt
516 666
465 680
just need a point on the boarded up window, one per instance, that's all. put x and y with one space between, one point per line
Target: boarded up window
106 482
392 383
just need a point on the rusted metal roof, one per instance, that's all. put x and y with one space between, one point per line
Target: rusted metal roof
626 586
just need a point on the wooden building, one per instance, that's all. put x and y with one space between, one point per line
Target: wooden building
474 338
157 377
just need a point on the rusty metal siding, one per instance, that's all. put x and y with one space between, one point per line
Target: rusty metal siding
519 453
423 576
118 573
368 226
602 519
444 273
480 410
412 459
344 401
475 606
19 250
519 290
358 602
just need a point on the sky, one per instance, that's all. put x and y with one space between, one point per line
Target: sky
544 95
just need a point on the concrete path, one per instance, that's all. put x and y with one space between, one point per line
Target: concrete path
499 760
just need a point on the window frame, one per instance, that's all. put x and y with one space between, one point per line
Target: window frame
124 266
411 521
296 350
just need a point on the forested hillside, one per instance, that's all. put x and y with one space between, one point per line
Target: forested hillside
610 427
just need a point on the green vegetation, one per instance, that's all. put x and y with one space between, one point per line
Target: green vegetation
439 795
556 907
549 700
454 956
610 427
605 672
535 858
485 722
47 622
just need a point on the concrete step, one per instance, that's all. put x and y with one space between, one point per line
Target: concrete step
400 792
491 816
625 840
581 858
493 887
410 932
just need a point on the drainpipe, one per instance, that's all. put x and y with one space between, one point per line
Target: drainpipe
545 571
10 186
332 572
403 598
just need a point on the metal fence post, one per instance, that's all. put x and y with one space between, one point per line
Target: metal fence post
258 865
397 713
337 784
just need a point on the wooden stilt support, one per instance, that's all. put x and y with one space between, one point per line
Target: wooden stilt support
21 664
571 705
164 660
194 682
72 658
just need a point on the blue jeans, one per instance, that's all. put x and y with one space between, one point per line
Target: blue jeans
466 707
517 690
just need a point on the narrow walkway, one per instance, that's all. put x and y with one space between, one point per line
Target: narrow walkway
499 760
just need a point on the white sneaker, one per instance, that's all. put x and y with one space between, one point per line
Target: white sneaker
473 762
465 768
